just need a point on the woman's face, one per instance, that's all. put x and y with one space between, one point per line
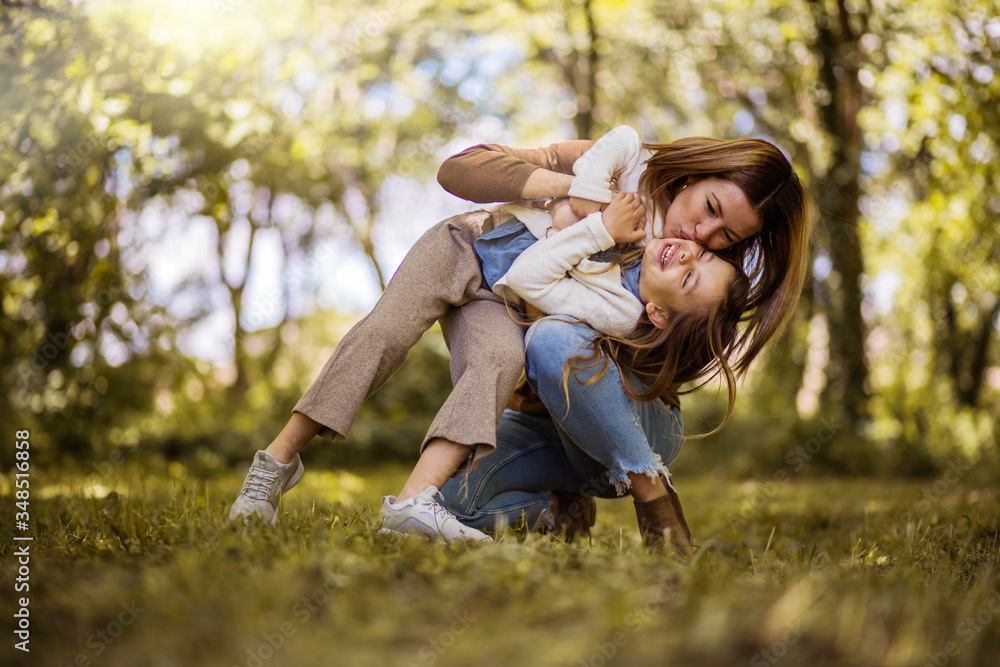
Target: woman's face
680 276
712 212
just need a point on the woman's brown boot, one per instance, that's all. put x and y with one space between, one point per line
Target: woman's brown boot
656 517
572 514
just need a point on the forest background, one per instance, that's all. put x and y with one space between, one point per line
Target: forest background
198 198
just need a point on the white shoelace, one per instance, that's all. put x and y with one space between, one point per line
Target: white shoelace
440 512
259 482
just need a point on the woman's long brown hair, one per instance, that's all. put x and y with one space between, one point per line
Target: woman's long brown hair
776 259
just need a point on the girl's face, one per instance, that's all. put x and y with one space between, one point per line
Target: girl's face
678 275
712 212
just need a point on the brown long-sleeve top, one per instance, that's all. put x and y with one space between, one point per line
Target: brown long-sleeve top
493 172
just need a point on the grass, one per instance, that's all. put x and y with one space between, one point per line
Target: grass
804 572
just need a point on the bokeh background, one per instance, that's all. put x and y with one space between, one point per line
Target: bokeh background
197 198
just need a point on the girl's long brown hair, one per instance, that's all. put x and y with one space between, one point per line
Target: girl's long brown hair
776 259
693 347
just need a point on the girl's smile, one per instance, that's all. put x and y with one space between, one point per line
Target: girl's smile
669 250
677 275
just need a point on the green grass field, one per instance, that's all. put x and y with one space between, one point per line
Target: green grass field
799 572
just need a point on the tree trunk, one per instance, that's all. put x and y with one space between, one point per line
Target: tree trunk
585 84
847 370
980 356
242 382
579 69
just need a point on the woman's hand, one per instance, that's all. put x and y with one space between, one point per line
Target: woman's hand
545 183
625 218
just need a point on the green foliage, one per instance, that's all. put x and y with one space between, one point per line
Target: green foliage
293 124
197 421
817 571
180 128
933 229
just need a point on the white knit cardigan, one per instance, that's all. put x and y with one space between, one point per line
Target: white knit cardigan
554 274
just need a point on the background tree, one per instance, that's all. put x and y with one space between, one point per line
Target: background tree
158 167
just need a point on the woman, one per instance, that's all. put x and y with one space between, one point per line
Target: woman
739 197
447 277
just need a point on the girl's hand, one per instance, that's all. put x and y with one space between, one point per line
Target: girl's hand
562 213
584 207
625 218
